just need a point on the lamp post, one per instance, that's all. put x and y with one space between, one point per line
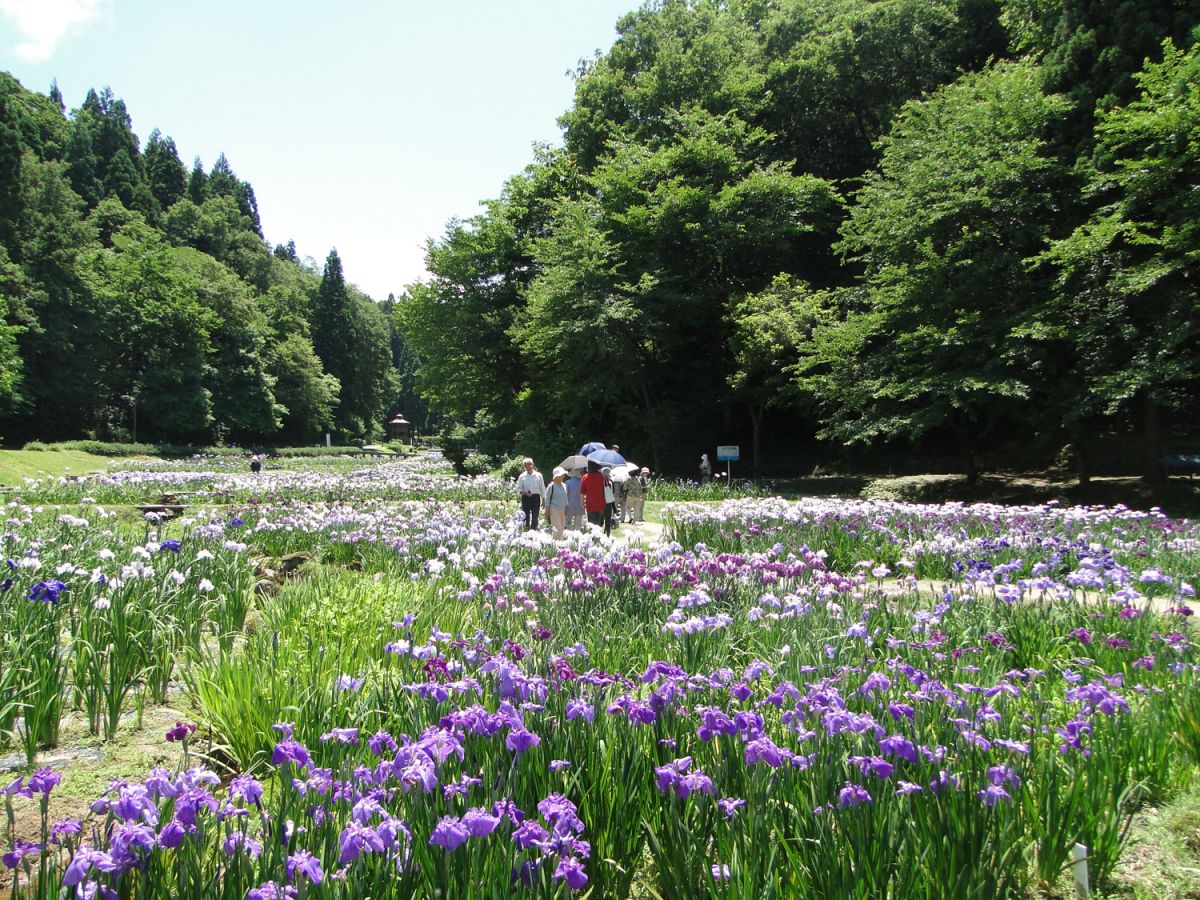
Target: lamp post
132 398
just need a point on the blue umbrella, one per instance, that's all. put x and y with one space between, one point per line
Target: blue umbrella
588 448
606 458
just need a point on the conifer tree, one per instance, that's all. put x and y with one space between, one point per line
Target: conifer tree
165 174
197 188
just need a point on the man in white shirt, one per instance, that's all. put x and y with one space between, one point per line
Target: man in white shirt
532 489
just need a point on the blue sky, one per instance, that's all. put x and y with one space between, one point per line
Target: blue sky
364 125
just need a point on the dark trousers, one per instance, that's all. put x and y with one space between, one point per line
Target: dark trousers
531 505
597 517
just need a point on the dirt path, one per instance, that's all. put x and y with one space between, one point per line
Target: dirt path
643 533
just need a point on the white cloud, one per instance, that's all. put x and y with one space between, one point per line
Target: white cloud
44 22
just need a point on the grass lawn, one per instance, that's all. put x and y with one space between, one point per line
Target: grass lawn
18 464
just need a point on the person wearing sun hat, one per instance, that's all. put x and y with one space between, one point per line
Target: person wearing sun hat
556 501
635 497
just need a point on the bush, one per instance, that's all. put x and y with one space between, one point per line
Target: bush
176 451
298 452
476 463
510 467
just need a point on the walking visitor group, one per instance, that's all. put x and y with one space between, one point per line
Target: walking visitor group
597 485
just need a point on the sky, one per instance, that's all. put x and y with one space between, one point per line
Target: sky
365 125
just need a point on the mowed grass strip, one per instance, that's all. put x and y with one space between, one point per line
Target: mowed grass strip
17 465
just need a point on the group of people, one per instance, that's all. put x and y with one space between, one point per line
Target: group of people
606 502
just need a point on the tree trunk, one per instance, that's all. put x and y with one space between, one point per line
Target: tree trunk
1152 467
968 449
1083 469
652 432
756 418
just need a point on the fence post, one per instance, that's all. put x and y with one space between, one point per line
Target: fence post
1079 855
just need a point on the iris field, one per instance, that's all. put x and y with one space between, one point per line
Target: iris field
816 698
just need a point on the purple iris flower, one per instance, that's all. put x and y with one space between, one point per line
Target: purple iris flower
449 833
307 865
529 833
246 788
695 782
479 822
521 740
291 751
341 735
357 839
269 890
763 749
172 835
43 781
19 851
47 591
571 870
898 745
730 805
181 732
992 794
853 795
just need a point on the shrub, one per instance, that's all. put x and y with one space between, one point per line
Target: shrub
476 463
510 467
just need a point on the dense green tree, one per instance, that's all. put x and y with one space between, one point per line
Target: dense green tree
11 152
350 335
1094 47
364 391
768 329
943 335
478 272
197 187
122 179
237 375
1127 287
161 361
165 174
82 164
402 393
223 182
286 251
12 366
65 345
309 395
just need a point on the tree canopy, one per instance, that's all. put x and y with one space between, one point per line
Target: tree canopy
138 300
960 223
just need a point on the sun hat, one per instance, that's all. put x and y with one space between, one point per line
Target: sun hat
645 470
558 470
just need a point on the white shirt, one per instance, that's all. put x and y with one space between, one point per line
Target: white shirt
531 483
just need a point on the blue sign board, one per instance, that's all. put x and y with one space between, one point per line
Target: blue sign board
730 452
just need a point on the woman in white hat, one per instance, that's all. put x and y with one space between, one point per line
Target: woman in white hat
556 501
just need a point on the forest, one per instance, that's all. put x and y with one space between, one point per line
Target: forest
958 230
141 303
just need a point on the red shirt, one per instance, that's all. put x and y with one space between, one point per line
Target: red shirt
591 486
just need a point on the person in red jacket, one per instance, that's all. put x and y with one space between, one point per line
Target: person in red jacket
591 488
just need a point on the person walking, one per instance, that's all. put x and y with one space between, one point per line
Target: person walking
556 502
591 488
635 496
574 504
610 501
532 489
705 469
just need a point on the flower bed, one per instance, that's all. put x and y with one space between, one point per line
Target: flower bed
814 699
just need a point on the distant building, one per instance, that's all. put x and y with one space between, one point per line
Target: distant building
400 429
